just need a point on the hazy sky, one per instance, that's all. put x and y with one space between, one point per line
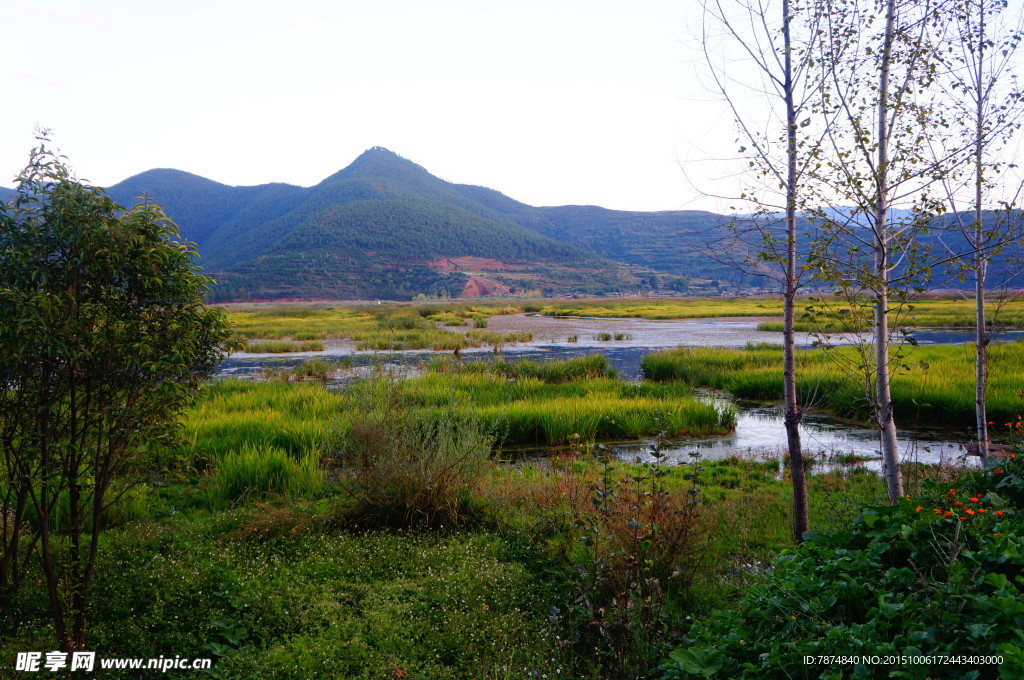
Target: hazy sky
551 101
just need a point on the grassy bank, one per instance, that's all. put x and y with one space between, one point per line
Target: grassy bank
374 327
401 326
931 385
814 313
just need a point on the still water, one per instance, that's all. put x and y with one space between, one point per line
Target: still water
759 429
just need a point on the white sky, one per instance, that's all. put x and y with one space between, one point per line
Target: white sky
551 102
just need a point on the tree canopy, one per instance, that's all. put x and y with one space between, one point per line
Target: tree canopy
103 340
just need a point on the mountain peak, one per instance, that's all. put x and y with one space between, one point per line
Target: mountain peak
378 161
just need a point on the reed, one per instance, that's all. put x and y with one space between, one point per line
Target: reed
932 385
255 471
282 346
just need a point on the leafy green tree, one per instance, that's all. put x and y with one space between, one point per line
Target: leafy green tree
103 340
880 60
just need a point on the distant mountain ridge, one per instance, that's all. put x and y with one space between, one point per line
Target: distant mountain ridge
384 227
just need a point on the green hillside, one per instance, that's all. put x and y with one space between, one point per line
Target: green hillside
383 227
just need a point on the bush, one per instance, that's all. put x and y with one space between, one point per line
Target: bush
640 549
939 576
405 467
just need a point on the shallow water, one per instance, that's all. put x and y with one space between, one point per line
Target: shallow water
760 434
759 429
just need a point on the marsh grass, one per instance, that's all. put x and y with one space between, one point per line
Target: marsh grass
930 384
814 313
256 472
394 326
283 346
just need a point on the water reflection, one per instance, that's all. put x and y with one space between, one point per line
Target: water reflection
760 433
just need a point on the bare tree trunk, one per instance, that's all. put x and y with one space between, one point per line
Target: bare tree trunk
883 395
792 414
980 257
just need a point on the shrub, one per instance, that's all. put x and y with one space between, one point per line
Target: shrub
939 576
405 467
640 549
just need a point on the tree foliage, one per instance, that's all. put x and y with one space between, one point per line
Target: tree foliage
103 340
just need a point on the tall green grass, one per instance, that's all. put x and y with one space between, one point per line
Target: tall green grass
930 384
282 346
555 371
526 402
258 471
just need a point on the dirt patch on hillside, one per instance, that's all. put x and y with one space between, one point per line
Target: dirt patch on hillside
478 287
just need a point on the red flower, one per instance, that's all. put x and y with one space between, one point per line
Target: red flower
997 471
974 500
970 512
1000 513
947 513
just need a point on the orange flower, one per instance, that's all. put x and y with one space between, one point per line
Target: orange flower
1000 513
974 500
937 511
997 471
981 509
947 513
963 518
959 503
970 512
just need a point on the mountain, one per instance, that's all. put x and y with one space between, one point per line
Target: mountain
382 227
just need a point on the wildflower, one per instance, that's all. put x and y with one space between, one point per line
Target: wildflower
919 508
974 500
1000 513
970 512
963 518
794 615
997 471
937 511
981 509
959 503
947 513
